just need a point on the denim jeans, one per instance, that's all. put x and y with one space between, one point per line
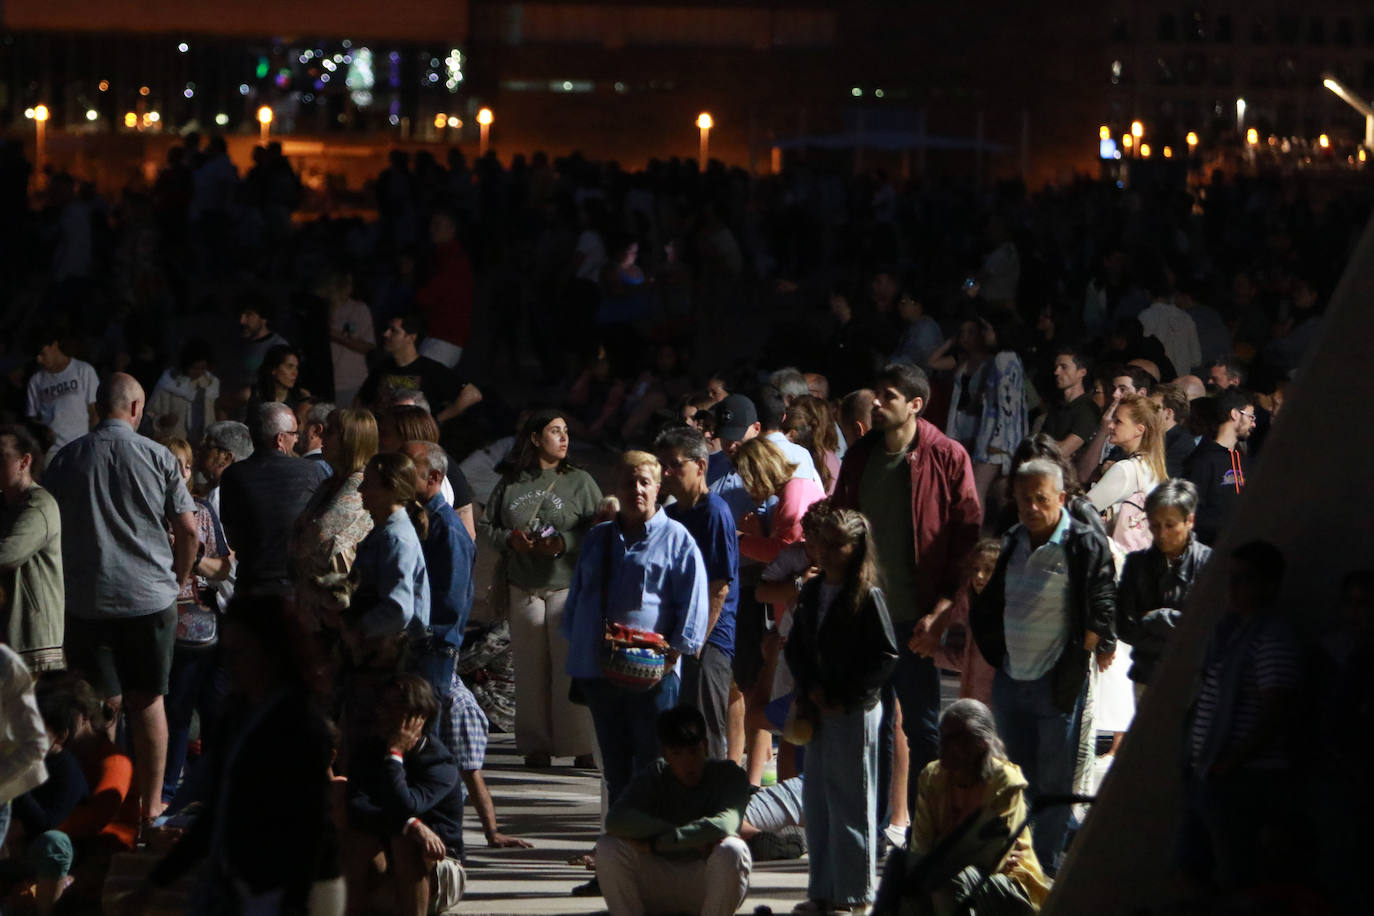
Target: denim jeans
625 723
1042 740
915 683
197 684
840 798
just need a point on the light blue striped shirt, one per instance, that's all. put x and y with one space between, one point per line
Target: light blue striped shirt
1036 622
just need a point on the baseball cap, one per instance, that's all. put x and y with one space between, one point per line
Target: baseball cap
734 416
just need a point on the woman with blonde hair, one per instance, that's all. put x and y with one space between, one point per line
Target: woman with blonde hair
766 473
1136 428
326 537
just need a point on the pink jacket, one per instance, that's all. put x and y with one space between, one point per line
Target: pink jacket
795 497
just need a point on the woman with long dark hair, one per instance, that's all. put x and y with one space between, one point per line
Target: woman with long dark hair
536 518
841 650
278 379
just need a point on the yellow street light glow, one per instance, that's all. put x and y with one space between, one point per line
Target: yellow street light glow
130 119
1145 151
1361 155
704 121
1324 141
485 117
40 112
264 115
1252 136
1137 129
1104 132
1127 141
1168 152
440 120
1192 139
104 86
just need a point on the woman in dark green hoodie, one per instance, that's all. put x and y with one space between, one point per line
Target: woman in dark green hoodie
536 518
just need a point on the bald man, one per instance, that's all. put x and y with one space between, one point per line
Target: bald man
1192 386
119 493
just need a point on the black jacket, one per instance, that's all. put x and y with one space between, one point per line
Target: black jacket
849 656
383 794
1212 468
260 499
1150 599
1092 607
1178 445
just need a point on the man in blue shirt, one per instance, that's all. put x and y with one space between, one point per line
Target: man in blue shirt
449 554
644 571
706 678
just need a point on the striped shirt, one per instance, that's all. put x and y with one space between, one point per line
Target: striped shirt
1036 622
1271 664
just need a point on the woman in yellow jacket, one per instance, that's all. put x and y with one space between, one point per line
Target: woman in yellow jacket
973 774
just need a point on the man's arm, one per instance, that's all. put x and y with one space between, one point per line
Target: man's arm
1069 444
402 795
718 590
486 813
185 545
686 582
468 396
1100 595
711 828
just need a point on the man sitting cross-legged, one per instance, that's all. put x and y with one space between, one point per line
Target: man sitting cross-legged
671 843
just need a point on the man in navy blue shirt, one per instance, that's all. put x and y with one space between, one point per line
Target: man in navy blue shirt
706 678
449 554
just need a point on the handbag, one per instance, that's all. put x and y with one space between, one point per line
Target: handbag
197 625
630 658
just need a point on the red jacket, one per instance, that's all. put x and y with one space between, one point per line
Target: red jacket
446 300
945 512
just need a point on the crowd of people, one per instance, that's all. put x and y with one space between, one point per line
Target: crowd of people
853 434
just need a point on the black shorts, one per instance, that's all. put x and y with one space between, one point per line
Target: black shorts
750 626
124 654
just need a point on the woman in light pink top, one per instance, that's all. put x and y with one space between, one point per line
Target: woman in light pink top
766 473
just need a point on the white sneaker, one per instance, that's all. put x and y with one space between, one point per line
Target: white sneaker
896 835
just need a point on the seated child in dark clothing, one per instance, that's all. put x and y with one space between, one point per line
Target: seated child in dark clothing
40 853
405 803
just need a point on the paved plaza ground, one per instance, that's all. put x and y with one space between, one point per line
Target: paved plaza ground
559 810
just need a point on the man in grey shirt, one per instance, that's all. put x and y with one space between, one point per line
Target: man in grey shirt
118 493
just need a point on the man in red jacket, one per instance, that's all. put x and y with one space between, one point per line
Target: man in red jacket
916 487
446 298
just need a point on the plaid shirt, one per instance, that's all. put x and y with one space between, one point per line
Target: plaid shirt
463 727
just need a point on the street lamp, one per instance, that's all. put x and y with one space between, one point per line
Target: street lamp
1191 140
264 123
484 119
1104 132
705 123
1144 151
1324 141
1252 137
1137 129
40 123
1355 102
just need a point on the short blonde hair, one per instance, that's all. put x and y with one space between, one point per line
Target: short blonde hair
634 460
763 467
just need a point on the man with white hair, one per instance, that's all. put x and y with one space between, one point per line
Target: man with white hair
791 383
1048 609
311 415
118 492
262 497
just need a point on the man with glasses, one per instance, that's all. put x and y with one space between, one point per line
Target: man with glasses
1216 467
261 497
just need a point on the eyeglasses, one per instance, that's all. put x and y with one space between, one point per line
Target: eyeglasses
1248 414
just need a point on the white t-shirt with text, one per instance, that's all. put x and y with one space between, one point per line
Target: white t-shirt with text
61 401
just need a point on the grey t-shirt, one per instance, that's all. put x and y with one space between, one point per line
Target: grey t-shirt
116 491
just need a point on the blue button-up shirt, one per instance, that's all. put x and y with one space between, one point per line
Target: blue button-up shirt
116 491
1036 622
449 553
393 588
656 583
